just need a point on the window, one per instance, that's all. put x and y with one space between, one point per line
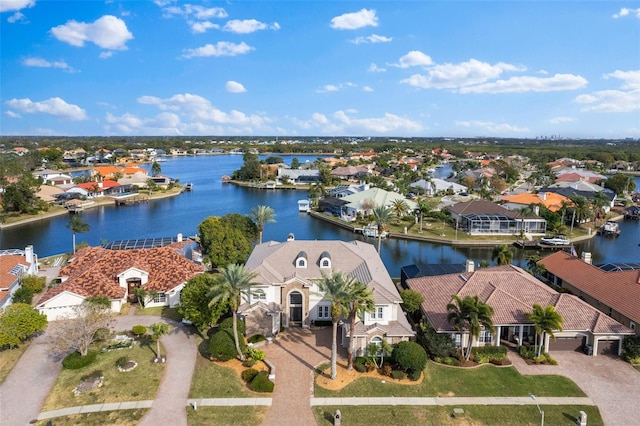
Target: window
259 295
323 312
632 325
377 313
485 336
457 338
376 340
160 298
302 263
325 263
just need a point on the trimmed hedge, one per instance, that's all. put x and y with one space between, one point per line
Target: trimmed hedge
256 338
398 374
249 374
485 354
222 346
139 330
75 361
359 367
261 382
227 324
411 357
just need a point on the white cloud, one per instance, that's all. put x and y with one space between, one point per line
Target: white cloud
626 12
221 48
202 27
414 58
162 124
375 68
558 82
355 20
234 87
492 127
18 16
373 38
105 55
43 63
452 76
247 26
53 106
335 87
107 32
558 120
11 5
367 89
192 11
12 114
631 79
341 122
625 100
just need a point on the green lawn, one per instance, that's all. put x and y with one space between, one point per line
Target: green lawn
139 384
236 416
495 415
439 380
120 418
160 311
9 358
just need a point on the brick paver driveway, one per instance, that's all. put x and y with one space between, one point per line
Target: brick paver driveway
295 355
612 384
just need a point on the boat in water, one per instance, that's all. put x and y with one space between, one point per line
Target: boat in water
371 230
556 240
304 206
609 229
188 187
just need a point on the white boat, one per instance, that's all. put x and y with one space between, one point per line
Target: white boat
371 230
610 229
188 187
558 240
304 206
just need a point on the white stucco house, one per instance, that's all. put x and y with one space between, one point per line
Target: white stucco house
14 264
288 294
115 273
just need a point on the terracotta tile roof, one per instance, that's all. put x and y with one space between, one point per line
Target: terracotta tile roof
619 290
94 270
7 264
511 292
550 200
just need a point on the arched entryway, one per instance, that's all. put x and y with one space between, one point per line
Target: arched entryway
295 309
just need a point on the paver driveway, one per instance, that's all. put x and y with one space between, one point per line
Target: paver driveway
612 384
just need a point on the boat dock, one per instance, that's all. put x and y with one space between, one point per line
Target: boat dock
131 201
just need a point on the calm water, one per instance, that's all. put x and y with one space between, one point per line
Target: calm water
210 197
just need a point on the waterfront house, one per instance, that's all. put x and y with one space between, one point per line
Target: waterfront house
612 288
435 186
482 217
363 202
550 200
59 180
48 193
298 177
14 264
287 292
116 272
351 172
512 292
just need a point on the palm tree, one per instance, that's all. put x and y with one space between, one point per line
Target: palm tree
336 289
599 203
471 315
158 330
399 207
545 321
360 300
76 224
503 254
580 207
383 216
262 215
230 285
423 208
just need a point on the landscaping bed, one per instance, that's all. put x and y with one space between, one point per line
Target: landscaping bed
120 418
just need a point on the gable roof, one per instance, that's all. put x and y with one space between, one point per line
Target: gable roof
619 290
94 271
511 292
550 200
379 196
480 207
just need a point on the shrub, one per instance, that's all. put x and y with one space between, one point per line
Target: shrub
410 356
359 367
631 349
75 361
227 324
448 360
22 295
249 362
527 352
385 370
398 374
254 354
256 338
261 382
436 345
414 375
122 362
249 374
139 330
101 334
222 346
33 282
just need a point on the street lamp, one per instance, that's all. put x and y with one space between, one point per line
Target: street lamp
539 409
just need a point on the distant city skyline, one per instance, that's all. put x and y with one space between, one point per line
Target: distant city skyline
514 69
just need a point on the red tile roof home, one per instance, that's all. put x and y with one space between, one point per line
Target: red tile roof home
94 271
550 200
8 275
511 292
619 290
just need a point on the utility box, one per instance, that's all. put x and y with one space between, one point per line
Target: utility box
337 418
582 419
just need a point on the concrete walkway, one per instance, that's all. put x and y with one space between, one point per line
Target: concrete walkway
493 400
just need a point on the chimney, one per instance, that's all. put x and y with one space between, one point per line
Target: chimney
586 257
469 266
543 196
179 238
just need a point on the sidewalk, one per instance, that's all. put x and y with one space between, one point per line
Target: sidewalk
492 400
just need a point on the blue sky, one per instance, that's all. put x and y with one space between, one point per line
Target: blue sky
327 68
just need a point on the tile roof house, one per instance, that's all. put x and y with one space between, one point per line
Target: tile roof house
98 271
482 217
615 292
550 200
14 264
287 276
512 292
435 185
356 203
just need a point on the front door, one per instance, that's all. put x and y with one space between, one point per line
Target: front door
295 309
132 284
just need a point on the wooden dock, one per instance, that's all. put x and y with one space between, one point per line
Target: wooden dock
131 201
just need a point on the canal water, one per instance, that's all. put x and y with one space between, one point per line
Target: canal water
210 197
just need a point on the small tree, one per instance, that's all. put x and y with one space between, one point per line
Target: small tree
158 330
545 321
156 169
76 224
22 295
410 356
411 301
33 282
77 331
18 322
194 303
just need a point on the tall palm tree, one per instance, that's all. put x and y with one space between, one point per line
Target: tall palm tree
76 224
158 330
360 300
502 254
599 202
230 285
545 321
470 315
399 207
580 207
383 217
261 215
336 289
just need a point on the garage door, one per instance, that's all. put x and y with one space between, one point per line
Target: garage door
567 344
608 347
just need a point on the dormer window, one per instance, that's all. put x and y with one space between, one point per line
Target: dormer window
325 260
301 260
